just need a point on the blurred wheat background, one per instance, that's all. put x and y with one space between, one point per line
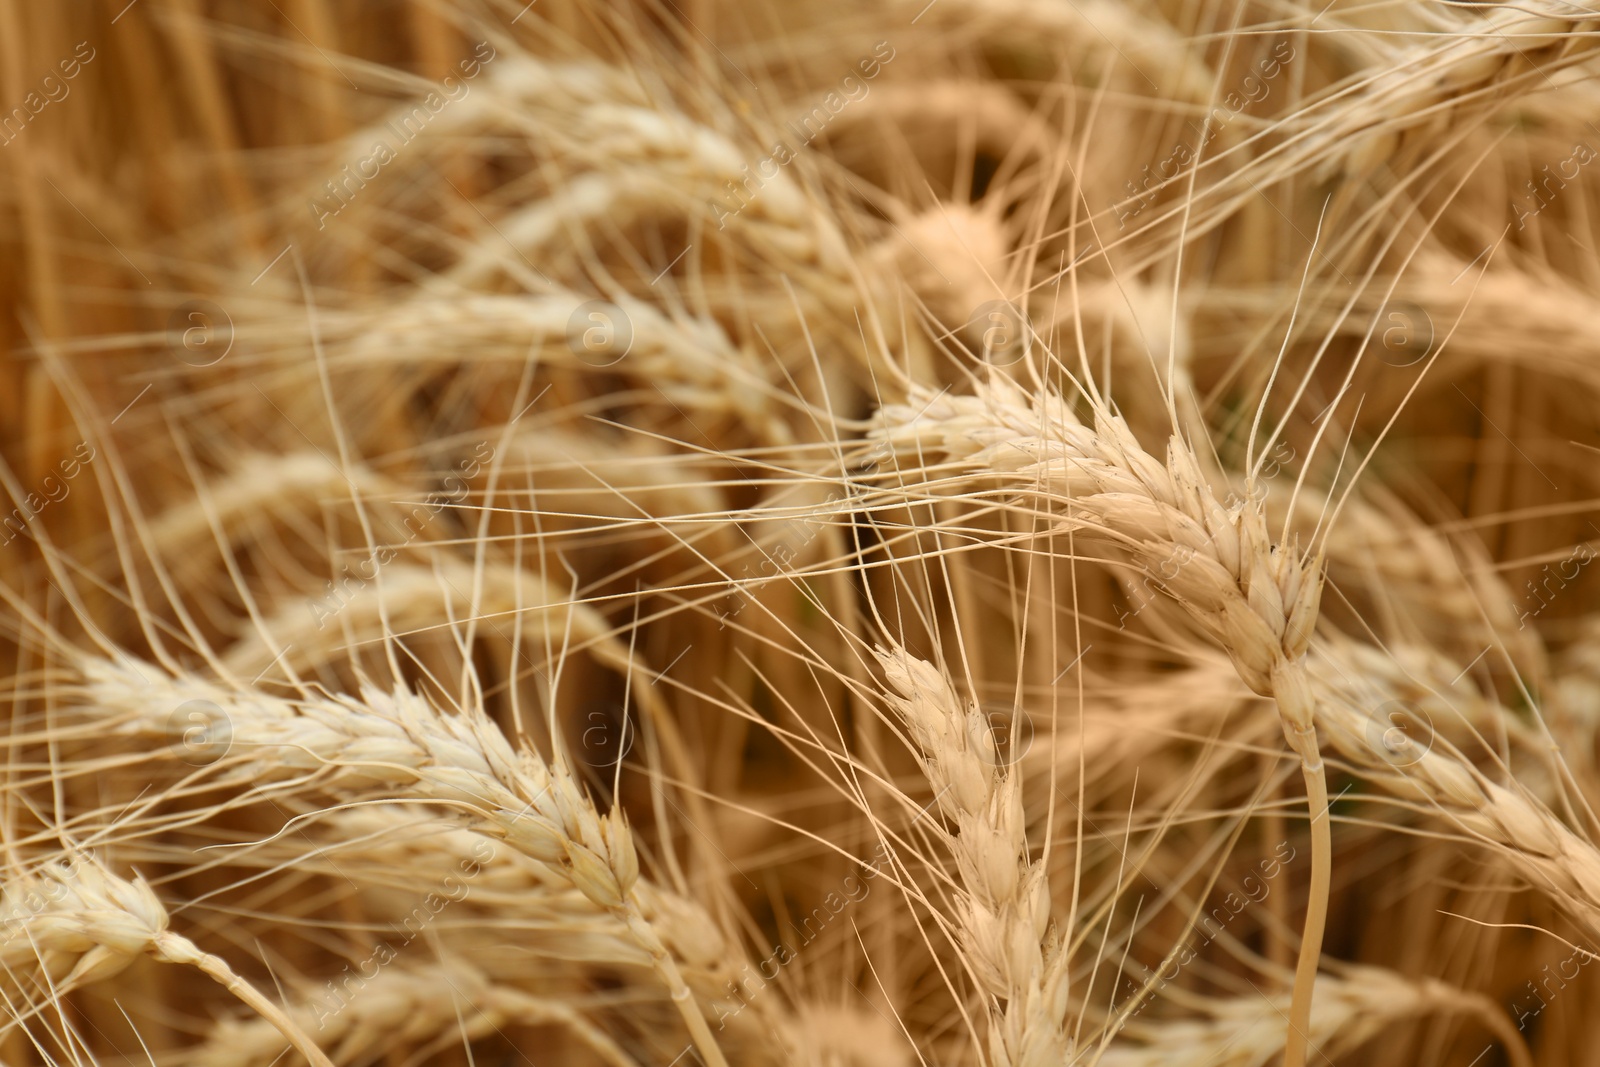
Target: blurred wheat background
993 532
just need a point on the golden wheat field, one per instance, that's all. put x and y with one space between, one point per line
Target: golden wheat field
922 533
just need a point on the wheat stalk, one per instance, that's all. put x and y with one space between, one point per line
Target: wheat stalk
1113 488
399 1005
1004 916
383 846
690 359
396 739
74 910
1351 1010
1471 61
1258 599
1152 45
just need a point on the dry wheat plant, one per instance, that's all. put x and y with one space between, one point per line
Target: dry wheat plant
980 533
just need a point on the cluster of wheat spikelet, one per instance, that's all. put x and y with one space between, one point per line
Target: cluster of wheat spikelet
982 532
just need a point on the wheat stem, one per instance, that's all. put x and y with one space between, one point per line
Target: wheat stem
178 949
1305 971
667 967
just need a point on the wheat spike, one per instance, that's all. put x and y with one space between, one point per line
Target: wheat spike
1351 1010
1258 599
74 911
1003 920
400 1005
396 739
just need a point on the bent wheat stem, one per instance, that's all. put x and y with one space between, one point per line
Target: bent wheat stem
682 999
176 949
1305 970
